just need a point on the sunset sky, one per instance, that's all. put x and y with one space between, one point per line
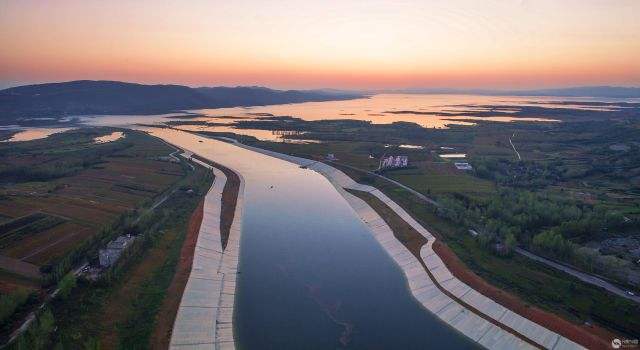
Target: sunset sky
312 44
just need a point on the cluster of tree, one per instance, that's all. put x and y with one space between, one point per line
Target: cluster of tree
66 284
38 335
523 174
525 213
552 244
12 303
37 173
549 225
64 163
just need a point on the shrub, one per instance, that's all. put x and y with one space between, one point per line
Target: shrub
9 303
66 284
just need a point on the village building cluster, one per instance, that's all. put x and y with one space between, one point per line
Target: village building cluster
392 162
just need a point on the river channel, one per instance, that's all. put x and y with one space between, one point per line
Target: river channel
311 275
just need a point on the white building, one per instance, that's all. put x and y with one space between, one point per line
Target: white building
114 249
463 166
392 162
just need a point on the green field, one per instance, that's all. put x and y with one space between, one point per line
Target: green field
440 183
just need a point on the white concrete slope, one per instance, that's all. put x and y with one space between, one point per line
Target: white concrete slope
481 319
205 316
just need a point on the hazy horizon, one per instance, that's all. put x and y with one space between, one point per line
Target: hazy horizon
308 44
403 90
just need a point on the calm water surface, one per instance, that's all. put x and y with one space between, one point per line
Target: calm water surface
114 136
28 134
376 109
311 275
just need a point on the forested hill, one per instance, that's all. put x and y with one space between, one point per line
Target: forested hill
113 97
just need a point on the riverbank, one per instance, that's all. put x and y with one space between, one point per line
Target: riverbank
229 198
582 336
464 320
588 336
163 332
204 316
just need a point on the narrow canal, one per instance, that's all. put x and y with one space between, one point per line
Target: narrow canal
311 275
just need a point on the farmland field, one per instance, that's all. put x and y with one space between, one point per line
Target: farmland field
57 192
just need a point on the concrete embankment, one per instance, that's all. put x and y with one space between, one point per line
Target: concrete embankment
471 313
205 316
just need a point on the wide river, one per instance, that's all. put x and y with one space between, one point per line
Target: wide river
311 275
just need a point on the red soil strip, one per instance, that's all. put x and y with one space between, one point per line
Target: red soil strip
166 315
229 203
591 337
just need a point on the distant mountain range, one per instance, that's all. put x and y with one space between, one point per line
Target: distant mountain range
583 91
87 97
112 97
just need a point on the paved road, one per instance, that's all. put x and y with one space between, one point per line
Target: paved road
185 154
418 194
514 147
585 277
